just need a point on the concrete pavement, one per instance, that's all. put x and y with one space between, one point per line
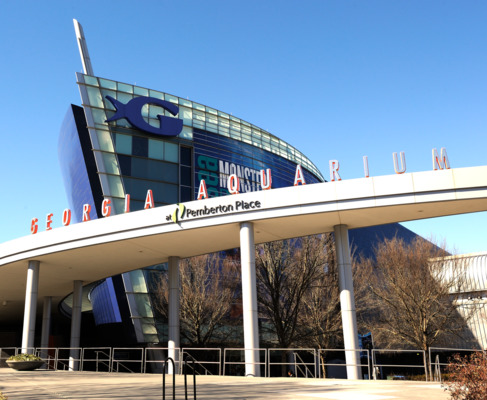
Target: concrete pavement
59 385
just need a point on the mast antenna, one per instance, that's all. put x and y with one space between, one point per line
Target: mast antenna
83 48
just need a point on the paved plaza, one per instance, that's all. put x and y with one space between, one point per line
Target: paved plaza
54 385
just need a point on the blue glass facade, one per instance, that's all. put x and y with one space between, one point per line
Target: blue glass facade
216 157
74 167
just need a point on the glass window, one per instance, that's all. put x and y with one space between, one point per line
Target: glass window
198 107
108 84
171 152
186 133
156 94
171 98
138 281
168 194
99 116
94 97
140 146
144 111
156 149
115 185
185 194
122 87
91 80
185 176
104 140
110 162
169 172
186 103
186 114
186 156
141 91
124 97
125 165
123 143
143 305
108 103
119 205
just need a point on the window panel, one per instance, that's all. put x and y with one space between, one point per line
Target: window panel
140 146
115 185
171 152
186 156
110 162
156 149
123 143
185 176
94 97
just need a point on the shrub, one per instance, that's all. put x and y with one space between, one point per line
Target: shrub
3 397
468 377
24 357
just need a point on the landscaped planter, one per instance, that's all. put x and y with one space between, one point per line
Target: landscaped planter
25 365
25 362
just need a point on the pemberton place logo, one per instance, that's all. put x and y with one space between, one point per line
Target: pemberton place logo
132 112
182 212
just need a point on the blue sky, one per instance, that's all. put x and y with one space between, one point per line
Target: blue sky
336 79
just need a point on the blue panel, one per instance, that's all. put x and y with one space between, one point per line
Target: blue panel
105 305
73 168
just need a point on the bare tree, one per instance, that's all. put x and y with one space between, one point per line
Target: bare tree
414 294
286 271
207 291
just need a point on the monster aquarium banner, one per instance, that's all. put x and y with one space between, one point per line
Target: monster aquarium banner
216 158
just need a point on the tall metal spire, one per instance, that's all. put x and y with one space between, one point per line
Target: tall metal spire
83 48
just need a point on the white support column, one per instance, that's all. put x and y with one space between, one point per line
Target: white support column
75 325
249 299
46 324
30 308
173 320
347 302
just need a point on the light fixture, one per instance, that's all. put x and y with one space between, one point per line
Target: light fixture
4 303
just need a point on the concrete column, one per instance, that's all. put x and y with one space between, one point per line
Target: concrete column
173 333
46 324
347 302
75 325
249 299
30 308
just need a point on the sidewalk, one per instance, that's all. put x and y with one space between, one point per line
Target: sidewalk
59 385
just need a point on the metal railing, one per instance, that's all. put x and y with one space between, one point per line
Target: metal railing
124 356
292 361
236 357
377 367
213 358
339 362
97 356
307 362
155 358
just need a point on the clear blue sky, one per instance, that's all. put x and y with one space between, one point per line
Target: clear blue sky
336 79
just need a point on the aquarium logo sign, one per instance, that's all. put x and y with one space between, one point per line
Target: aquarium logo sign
132 112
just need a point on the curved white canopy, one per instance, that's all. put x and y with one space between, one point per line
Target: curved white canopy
96 249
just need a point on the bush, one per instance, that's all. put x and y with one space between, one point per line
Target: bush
468 377
3 397
24 357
